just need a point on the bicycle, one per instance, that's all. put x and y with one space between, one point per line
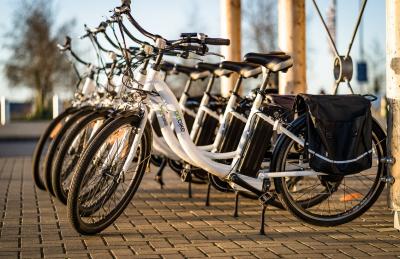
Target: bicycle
240 173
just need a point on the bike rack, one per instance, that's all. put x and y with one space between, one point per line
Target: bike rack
343 64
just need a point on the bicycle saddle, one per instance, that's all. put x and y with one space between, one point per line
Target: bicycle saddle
274 61
246 70
207 66
167 67
185 69
213 68
192 72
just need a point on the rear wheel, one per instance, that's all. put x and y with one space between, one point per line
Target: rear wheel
328 200
100 190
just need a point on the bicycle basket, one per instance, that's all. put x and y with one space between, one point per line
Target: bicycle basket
339 132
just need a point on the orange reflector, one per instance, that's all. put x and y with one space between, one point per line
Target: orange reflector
116 135
124 151
351 196
55 131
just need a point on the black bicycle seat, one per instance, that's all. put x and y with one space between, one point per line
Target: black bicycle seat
185 69
243 68
274 61
167 66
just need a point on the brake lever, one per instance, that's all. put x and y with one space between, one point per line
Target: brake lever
214 54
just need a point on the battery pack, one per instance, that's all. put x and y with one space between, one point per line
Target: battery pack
206 133
256 147
156 126
231 135
189 120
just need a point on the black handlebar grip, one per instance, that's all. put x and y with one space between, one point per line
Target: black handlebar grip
188 34
217 41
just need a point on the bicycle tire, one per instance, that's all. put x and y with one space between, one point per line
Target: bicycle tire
51 152
57 175
39 151
300 211
73 203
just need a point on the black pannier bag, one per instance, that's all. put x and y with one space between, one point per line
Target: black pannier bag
339 132
282 107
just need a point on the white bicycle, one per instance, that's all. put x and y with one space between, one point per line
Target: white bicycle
111 169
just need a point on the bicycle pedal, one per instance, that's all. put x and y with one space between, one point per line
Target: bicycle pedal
186 175
265 198
266 185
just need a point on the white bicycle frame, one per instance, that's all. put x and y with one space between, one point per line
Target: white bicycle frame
169 110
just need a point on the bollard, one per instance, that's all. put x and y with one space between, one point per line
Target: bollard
56 106
5 111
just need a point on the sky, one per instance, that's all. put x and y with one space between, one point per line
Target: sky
169 18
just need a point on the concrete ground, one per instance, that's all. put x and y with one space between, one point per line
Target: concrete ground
166 224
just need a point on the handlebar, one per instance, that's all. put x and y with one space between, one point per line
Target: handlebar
194 37
127 32
188 34
66 46
199 40
140 28
126 9
217 41
101 28
112 43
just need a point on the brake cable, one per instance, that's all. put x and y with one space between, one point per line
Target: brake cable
343 65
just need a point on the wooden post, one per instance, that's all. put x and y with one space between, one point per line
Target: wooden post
231 29
393 96
292 39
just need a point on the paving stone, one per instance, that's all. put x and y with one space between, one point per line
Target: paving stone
167 224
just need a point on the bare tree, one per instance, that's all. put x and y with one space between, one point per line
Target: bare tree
261 32
261 24
35 61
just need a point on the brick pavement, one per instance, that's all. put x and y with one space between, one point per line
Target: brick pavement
166 224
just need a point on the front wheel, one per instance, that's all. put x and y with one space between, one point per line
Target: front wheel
43 144
100 189
327 200
55 146
71 148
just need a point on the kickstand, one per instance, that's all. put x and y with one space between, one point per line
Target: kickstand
264 208
235 211
190 188
186 176
158 178
208 194
264 200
